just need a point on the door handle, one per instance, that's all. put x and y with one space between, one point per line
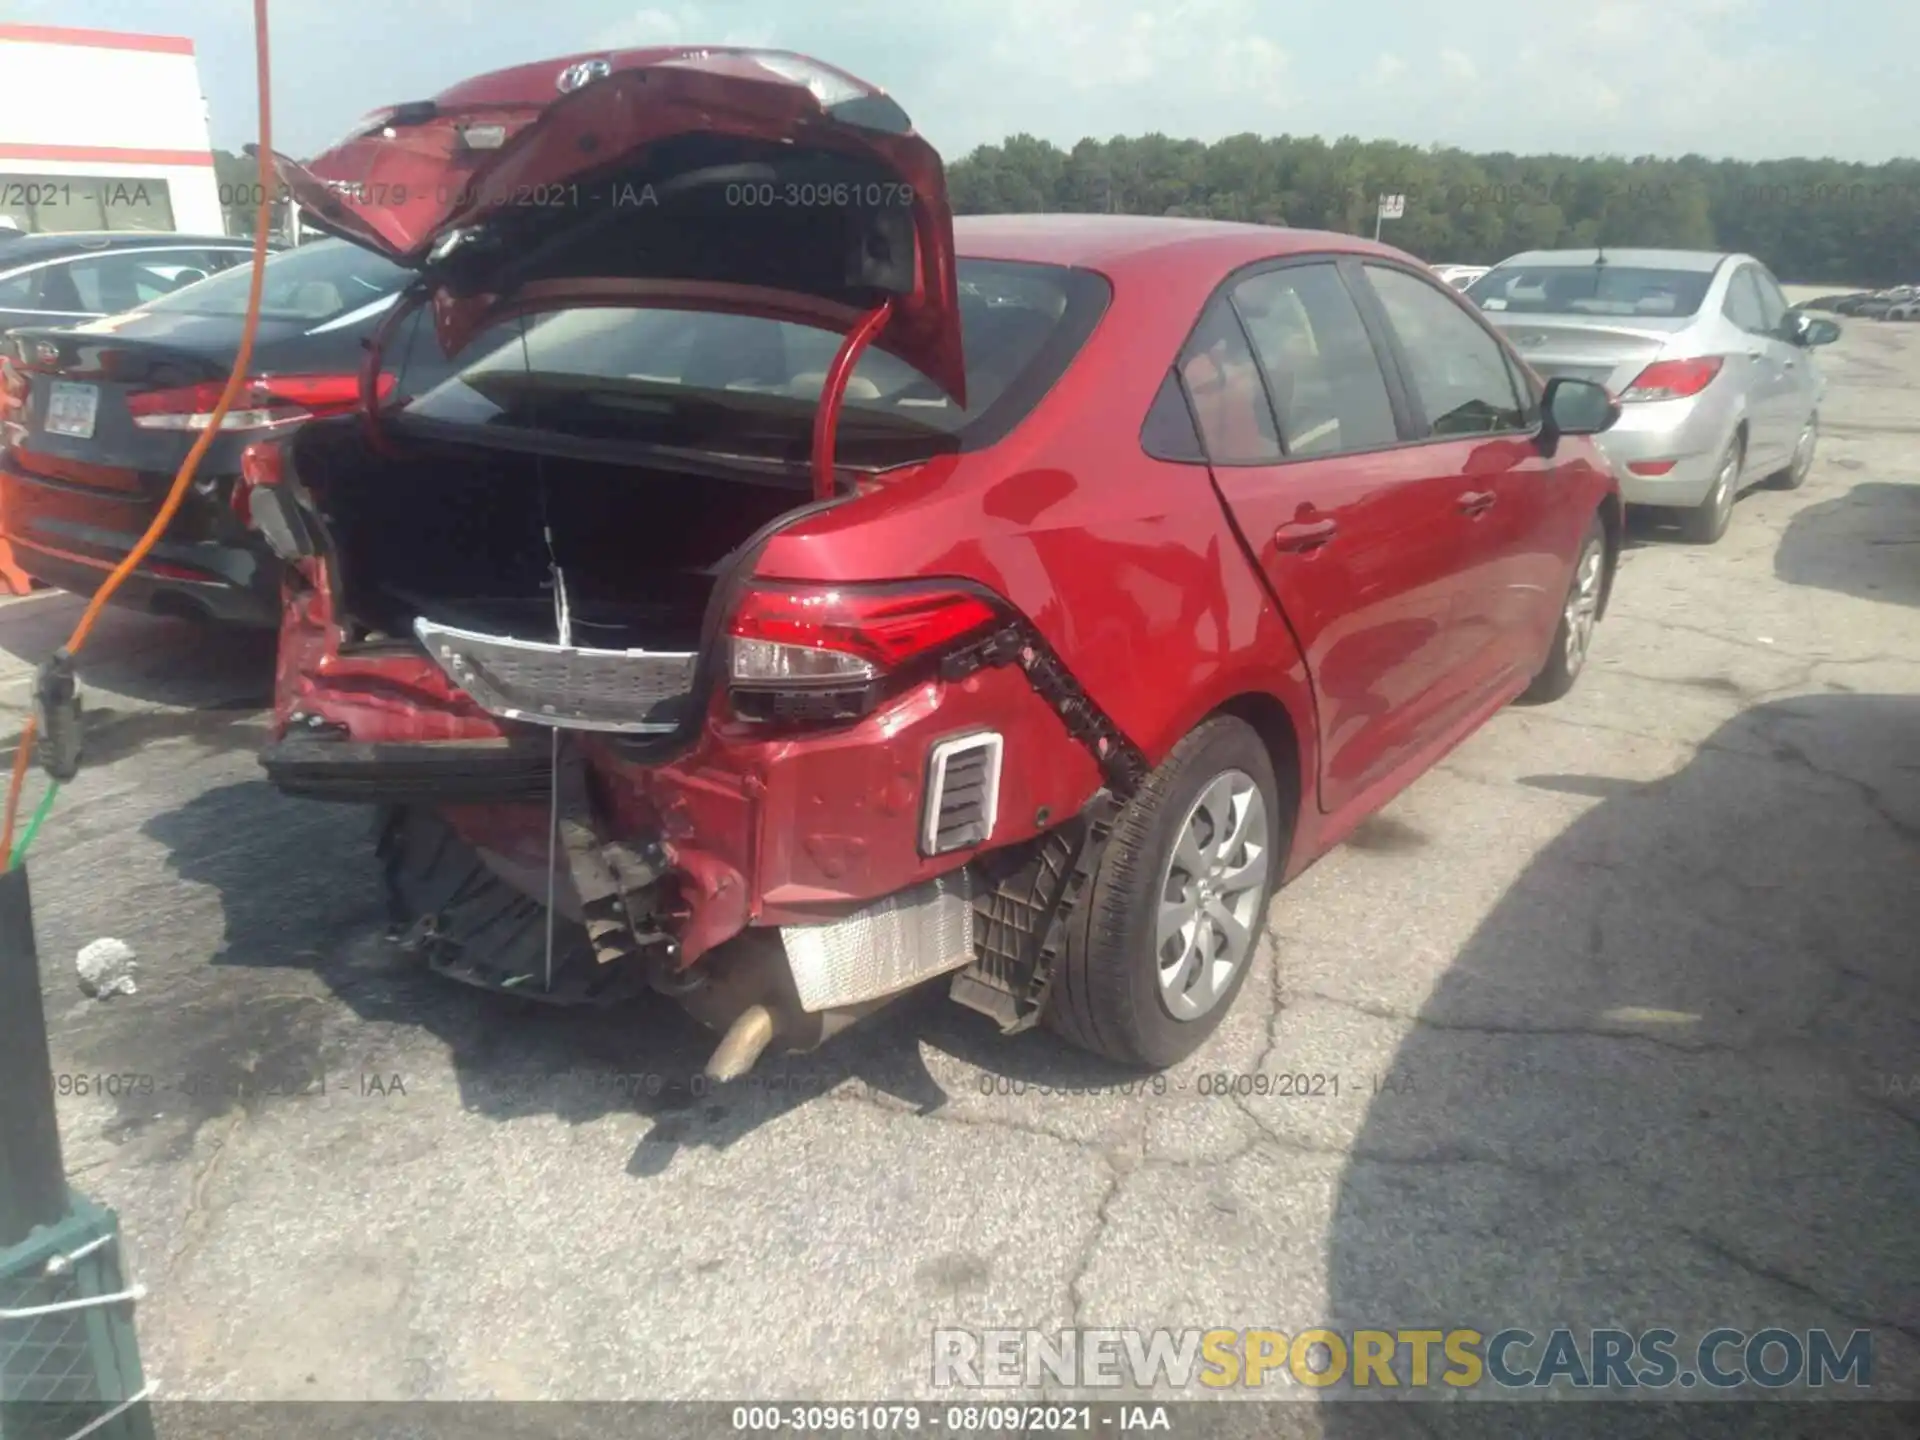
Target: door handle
1477 502
1305 534
1756 356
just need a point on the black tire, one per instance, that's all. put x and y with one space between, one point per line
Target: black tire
1801 465
1106 996
1706 522
1565 662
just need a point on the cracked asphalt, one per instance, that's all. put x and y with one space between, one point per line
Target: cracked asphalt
1614 1016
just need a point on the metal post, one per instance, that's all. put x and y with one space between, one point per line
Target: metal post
33 1183
1378 212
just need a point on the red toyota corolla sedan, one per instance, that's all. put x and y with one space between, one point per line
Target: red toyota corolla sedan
794 596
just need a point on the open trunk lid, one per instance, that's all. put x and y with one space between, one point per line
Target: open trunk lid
749 181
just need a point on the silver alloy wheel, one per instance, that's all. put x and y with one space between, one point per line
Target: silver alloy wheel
1803 449
1583 605
1210 894
1722 498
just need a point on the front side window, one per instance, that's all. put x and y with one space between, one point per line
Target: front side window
1458 371
694 377
1773 305
1742 304
1320 364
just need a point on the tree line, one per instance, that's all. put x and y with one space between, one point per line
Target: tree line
1812 221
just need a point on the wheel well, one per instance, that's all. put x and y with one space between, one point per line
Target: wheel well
1273 723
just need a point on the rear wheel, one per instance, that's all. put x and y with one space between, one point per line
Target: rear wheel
1707 521
1795 475
1573 637
1177 909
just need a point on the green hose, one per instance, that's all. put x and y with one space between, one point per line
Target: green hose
33 826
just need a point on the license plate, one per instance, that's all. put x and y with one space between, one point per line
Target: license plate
72 409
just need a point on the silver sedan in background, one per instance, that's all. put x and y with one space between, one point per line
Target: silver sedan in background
1710 363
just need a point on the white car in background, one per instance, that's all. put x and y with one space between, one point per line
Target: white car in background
1460 276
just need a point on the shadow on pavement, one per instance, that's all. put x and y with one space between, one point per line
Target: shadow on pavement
1866 544
149 658
1675 1073
303 893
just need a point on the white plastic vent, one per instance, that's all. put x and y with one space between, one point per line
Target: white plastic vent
963 793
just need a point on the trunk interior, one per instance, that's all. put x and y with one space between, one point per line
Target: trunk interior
471 537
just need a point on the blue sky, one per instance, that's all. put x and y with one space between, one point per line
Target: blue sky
1749 79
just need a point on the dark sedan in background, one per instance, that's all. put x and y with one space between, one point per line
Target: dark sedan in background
96 418
66 279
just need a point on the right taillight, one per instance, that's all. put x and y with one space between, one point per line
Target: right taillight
824 653
1673 379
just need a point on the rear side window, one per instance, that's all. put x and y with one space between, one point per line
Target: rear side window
1229 396
1322 371
18 291
1742 305
1458 371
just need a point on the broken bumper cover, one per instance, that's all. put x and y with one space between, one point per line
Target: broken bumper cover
886 947
322 766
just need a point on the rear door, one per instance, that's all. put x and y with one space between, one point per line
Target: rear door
1477 443
1353 534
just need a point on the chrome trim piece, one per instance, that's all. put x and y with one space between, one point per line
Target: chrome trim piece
568 687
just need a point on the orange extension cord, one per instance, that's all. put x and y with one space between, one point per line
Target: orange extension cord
23 755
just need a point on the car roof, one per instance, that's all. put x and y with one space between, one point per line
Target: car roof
1111 243
1703 261
18 249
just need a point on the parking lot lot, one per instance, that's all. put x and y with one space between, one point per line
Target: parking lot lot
1613 1019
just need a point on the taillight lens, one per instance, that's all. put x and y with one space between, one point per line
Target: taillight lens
826 649
265 403
1673 379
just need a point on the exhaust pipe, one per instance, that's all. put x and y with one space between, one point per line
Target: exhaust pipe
744 1043
747 994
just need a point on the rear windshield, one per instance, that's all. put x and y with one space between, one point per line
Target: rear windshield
317 283
1590 290
691 378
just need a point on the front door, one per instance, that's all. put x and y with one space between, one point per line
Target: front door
1760 368
1352 531
1477 427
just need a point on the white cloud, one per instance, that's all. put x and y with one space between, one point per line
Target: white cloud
1388 68
1459 66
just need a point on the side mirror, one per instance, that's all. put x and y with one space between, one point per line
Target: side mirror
1577 407
1818 332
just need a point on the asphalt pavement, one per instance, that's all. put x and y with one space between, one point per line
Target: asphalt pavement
1615 1020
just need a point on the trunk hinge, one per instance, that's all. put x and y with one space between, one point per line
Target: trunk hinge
833 394
1028 907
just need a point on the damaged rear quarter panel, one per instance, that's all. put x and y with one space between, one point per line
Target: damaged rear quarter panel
1126 565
